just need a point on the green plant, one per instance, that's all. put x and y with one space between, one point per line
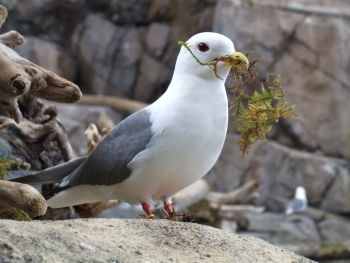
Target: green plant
4 163
15 214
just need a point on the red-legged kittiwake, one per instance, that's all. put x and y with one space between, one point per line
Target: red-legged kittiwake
161 149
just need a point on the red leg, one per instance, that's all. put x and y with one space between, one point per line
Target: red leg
169 209
147 209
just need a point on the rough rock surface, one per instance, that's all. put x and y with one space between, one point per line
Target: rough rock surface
129 49
305 43
106 240
48 55
123 48
279 170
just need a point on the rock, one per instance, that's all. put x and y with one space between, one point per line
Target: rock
337 197
282 229
109 55
96 41
334 230
48 55
157 38
305 44
131 48
129 12
116 240
229 170
279 170
54 20
228 226
162 10
151 72
76 119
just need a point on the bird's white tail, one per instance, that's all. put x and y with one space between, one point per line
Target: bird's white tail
75 196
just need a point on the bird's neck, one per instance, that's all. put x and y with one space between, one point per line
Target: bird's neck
192 88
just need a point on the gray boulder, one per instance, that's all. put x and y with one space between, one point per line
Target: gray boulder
116 240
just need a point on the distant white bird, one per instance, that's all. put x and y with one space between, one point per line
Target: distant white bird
160 149
298 203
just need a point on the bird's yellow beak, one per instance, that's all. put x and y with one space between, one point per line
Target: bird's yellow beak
240 59
237 60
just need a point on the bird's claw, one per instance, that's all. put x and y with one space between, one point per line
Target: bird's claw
150 216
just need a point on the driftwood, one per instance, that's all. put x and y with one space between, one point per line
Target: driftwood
93 137
217 207
238 196
129 106
32 141
229 211
21 196
36 136
18 77
37 139
190 195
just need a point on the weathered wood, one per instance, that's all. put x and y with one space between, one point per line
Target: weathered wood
121 104
238 196
39 144
12 39
93 137
228 209
18 77
50 86
29 126
190 195
3 15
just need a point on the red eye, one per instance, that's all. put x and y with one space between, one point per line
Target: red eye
202 47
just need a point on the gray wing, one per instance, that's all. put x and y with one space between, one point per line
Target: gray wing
296 205
53 174
107 164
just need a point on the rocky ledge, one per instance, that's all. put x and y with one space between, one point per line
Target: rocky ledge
136 240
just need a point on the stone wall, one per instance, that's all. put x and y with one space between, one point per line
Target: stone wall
122 48
307 43
128 49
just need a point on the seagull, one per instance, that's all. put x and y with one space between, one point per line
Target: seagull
160 149
298 203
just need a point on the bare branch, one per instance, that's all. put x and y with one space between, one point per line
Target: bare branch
3 15
121 104
12 39
237 196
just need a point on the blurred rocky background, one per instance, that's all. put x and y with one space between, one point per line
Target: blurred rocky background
128 49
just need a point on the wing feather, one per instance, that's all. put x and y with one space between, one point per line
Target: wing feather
107 164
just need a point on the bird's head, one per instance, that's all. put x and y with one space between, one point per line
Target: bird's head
208 47
300 192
